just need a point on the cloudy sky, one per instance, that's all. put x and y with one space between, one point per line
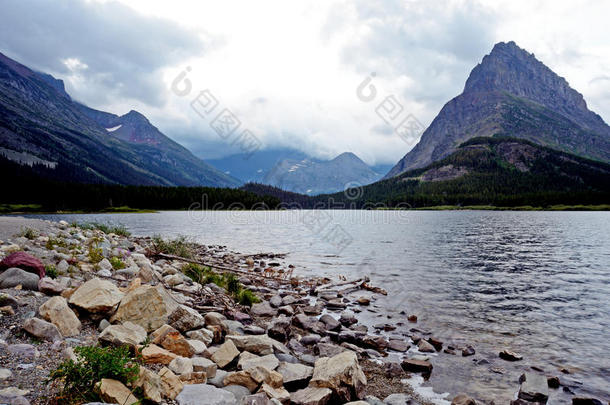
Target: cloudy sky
289 70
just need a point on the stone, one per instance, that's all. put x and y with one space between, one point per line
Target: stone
340 373
425 347
218 379
12 392
194 377
553 382
510 356
23 350
275 301
241 378
438 345
254 330
398 345
468 351
254 399
155 354
310 339
534 388
13 277
278 393
295 373
5 373
57 311
23 261
184 319
398 399
329 349
348 318
262 375
177 344
127 334
586 401
47 285
364 301
150 383
204 335
330 322
147 306
181 365
8 300
263 309
205 365
42 329
225 354
197 346
159 334
96 296
258 344
463 399
417 366
241 392
336 303
170 383
232 327
311 396
7 310
205 394
269 361
114 392
214 318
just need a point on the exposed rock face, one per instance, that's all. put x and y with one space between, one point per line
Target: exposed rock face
147 306
225 354
96 295
184 319
340 373
23 261
170 383
511 92
151 384
56 311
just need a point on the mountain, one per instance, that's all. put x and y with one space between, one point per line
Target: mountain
252 168
41 126
498 171
511 93
313 177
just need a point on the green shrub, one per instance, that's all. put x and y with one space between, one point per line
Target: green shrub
247 298
78 378
181 246
233 285
50 271
117 263
119 229
96 254
52 243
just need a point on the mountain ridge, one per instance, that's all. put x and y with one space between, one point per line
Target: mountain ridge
40 119
512 93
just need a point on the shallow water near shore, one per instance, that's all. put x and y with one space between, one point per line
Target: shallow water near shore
537 283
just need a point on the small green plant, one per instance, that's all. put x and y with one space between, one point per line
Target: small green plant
117 263
29 233
119 229
247 298
50 271
96 254
78 378
228 281
180 246
53 243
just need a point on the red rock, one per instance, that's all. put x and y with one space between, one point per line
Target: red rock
23 261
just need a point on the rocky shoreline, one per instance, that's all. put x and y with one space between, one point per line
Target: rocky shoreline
197 335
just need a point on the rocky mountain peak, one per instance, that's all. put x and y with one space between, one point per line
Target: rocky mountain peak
509 68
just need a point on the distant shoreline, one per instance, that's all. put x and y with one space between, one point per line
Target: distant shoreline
34 209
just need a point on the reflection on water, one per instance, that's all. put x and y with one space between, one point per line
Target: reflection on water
534 282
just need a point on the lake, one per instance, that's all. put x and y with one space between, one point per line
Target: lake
537 283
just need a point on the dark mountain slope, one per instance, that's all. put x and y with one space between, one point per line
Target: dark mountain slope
510 92
39 121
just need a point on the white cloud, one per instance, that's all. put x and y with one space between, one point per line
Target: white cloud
289 70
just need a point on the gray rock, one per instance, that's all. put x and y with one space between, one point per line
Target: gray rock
399 399
103 325
295 373
128 334
311 396
205 394
255 399
23 351
218 379
5 373
181 365
238 391
263 309
42 329
13 277
202 364
276 301
534 388
185 318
